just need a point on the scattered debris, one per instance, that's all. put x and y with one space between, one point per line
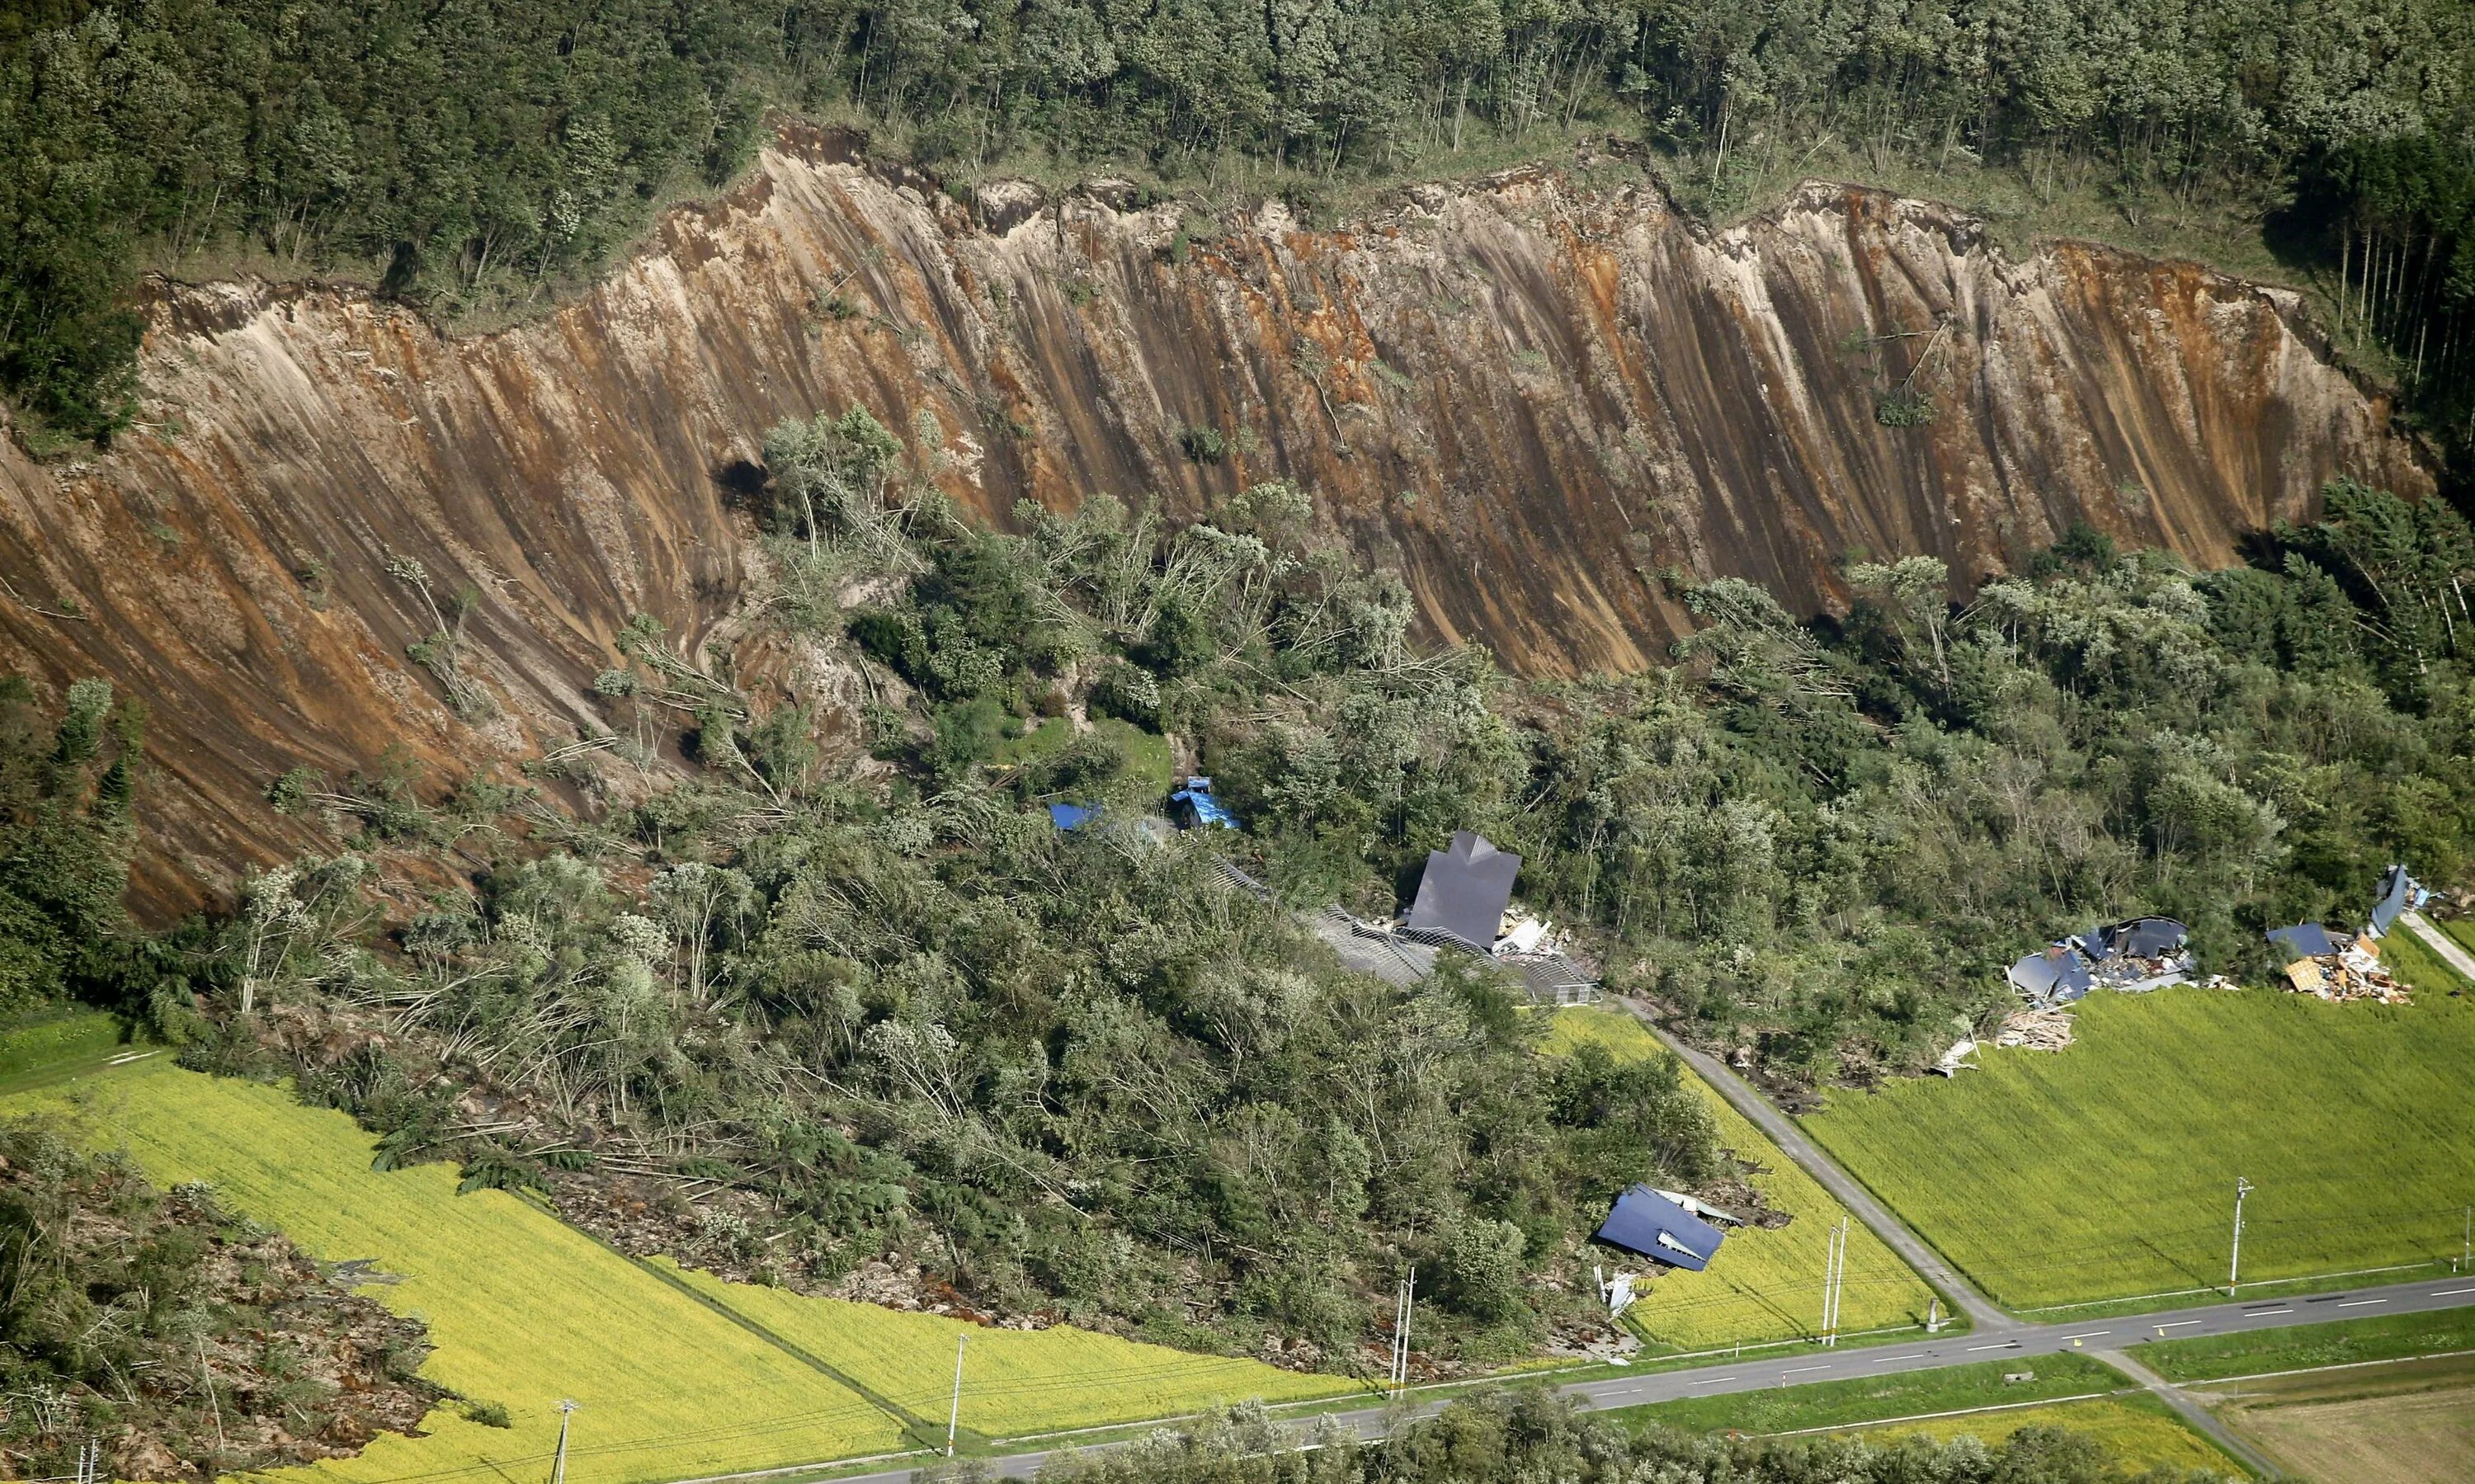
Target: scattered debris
2037 1030
2132 956
2330 965
1616 1291
2343 972
1956 1061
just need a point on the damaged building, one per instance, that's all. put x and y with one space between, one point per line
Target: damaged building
2134 956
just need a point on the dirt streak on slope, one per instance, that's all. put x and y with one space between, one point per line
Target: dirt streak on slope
1529 397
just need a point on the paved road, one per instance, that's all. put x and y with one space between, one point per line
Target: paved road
2441 943
2020 1342
1790 1140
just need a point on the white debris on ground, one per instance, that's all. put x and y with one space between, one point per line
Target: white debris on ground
1956 1061
2037 1030
1617 1291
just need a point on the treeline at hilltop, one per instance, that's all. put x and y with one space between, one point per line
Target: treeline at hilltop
476 153
899 1016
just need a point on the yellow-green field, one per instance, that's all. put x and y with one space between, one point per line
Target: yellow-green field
1014 1380
2108 1170
526 1310
2140 1432
1765 1285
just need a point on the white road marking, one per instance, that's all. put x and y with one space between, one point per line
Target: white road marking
2450 1293
2007 1345
2178 1324
2266 1313
1714 1381
1801 1370
2348 1304
2087 1335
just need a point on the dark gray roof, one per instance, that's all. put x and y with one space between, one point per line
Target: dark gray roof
2058 973
1650 1224
1465 891
2304 940
2398 891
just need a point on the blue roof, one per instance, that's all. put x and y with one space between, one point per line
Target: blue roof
1071 816
1208 809
2304 940
1651 1225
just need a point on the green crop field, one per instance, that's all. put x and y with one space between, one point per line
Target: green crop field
1765 1285
523 1309
526 1310
2107 1171
1014 1380
2137 1432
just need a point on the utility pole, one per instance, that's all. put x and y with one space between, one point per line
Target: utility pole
1834 1273
2467 1240
2234 1266
1404 1298
954 1413
558 1470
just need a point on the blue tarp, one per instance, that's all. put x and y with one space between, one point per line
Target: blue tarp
1198 798
1071 816
1651 1225
2304 940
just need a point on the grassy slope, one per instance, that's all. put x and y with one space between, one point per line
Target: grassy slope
1014 1380
1765 1285
523 1309
2347 1342
1915 1394
2108 1170
505 1332
2140 1432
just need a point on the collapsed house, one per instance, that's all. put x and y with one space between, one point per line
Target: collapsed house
2346 967
1649 1224
1464 892
2133 956
1195 806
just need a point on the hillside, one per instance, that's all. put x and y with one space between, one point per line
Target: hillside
1531 395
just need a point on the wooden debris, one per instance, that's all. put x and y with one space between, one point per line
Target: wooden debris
2351 974
2037 1030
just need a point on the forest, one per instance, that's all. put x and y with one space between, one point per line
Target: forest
475 156
842 966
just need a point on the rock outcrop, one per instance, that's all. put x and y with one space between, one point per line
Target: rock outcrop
1531 397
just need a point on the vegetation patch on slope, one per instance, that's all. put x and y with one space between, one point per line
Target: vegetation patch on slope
181 1339
2108 1170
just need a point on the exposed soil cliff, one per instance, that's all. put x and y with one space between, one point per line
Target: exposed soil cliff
1529 397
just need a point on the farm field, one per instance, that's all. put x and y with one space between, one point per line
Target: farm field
1765 1285
1014 1380
2421 1437
2107 1171
2139 1431
523 1309
526 1310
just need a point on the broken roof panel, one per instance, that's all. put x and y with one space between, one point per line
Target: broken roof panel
2400 894
2149 937
1071 816
1646 1223
1198 795
2304 940
1464 891
2057 973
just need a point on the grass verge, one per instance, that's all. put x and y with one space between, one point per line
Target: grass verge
2137 1431
2163 1101
1828 1404
2343 1343
1765 1284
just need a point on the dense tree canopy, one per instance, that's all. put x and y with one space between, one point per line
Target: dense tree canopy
473 153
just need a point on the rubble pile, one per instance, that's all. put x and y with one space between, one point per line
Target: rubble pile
2037 1030
2351 974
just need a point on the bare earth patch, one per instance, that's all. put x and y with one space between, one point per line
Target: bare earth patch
2425 1437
